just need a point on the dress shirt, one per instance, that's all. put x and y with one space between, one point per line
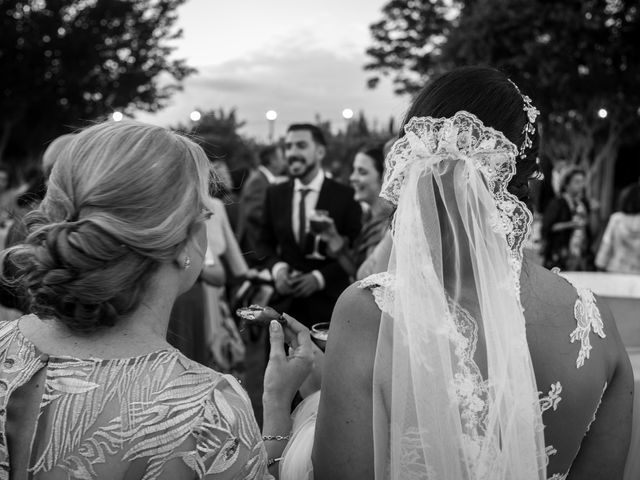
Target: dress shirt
310 202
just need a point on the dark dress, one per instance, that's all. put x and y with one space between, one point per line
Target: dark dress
374 226
568 249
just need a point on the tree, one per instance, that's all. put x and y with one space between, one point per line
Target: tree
217 132
574 58
343 145
69 62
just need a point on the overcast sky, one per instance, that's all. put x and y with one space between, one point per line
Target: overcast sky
297 57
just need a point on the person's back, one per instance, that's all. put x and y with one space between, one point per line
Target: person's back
583 374
152 415
582 371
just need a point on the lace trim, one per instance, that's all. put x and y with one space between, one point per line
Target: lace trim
488 150
588 318
380 286
471 390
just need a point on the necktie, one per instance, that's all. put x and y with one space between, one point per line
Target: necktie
302 217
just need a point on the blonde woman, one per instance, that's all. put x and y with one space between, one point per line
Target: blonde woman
89 387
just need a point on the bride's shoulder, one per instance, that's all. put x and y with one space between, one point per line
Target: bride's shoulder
560 314
359 304
379 285
356 316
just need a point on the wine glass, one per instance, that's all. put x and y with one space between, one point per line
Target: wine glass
319 221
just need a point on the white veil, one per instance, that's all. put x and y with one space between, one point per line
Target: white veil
455 395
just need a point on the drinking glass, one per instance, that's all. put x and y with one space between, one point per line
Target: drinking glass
319 334
319 221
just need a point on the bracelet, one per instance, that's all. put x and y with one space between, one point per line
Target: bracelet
278 438
273 461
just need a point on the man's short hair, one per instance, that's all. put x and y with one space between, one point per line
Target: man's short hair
315 131
266 154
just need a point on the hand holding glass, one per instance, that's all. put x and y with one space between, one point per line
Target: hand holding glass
319 222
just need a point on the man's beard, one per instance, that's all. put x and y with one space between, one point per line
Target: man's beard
303 173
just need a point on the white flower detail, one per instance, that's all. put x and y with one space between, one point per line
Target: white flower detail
552 399
588 318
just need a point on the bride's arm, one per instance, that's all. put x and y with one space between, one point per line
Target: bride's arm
343 446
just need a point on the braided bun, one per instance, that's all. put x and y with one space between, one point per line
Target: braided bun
122 199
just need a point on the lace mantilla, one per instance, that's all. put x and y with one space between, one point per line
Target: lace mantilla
468 386
432 140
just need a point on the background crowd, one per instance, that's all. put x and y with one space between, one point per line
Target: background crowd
293 231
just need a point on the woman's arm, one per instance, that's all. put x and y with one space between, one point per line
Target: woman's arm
343 446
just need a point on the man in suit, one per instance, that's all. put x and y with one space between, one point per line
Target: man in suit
311 285
272 166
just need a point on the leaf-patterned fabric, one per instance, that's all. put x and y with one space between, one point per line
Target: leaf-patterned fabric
155 416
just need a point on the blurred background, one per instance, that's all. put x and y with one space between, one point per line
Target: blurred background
237 73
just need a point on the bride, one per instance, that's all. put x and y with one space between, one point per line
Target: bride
463 360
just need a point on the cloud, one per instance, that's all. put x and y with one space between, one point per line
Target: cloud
297 80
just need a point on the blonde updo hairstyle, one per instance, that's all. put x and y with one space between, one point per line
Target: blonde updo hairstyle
123 197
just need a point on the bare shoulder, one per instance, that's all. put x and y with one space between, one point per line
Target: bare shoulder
549 301
568 333
354 332
356 307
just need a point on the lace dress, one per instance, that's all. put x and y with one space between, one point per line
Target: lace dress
154 416
588 325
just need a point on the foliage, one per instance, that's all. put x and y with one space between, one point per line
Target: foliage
68 62
217 132
573 58
343 145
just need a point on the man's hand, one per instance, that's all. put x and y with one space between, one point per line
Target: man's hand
304 285
282 282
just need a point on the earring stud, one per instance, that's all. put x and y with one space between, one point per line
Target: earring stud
187 263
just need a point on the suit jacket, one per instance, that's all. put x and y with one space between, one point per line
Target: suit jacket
278 244
251 210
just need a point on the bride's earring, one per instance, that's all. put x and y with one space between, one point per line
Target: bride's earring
187 263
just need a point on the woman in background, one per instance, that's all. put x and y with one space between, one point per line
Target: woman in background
366 180
566 226
620 248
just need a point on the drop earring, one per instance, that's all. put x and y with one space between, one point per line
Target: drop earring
187 263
